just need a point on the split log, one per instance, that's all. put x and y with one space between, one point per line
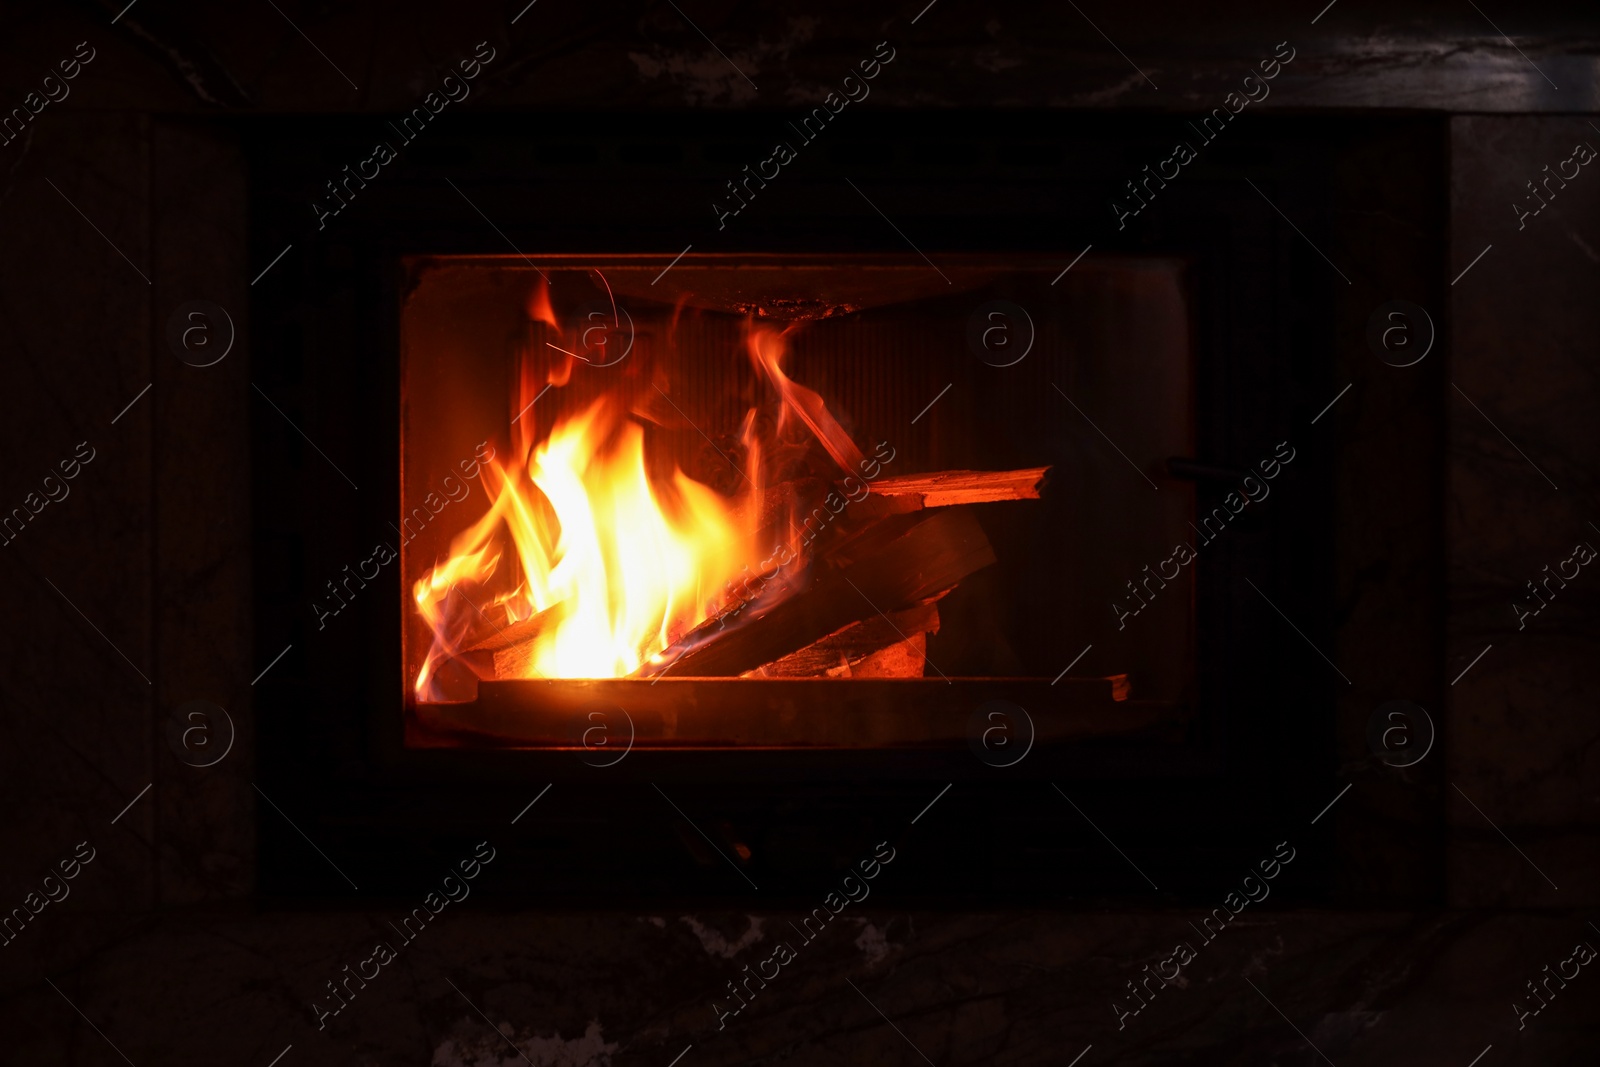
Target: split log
782 509
939 489
904 659
798 508
509 648
892 646
891 566
516 661
517 633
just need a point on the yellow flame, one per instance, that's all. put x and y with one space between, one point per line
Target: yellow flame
630 565
618 565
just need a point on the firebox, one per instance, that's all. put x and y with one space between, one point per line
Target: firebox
787 500
552 446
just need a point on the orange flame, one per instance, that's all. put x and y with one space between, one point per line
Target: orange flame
767 349
616 564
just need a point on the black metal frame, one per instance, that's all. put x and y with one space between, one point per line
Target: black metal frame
324 329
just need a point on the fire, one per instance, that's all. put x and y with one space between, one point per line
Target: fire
603 563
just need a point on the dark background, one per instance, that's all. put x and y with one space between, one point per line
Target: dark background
1402 932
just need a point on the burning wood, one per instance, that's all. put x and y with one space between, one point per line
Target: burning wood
611 568
867 614
893 565
944 488
872 566
511 648
517 633
884 646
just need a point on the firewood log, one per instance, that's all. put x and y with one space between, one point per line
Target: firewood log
517 633
510 647
903 659
890 566
938 489
892 646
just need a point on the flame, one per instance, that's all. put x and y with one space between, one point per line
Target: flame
616 564
539 308
767 349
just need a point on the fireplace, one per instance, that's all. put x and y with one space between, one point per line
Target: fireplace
1220 332
785 500
481 287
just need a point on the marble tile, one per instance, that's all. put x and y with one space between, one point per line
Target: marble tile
78 681
593 990
1524 460
202 511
